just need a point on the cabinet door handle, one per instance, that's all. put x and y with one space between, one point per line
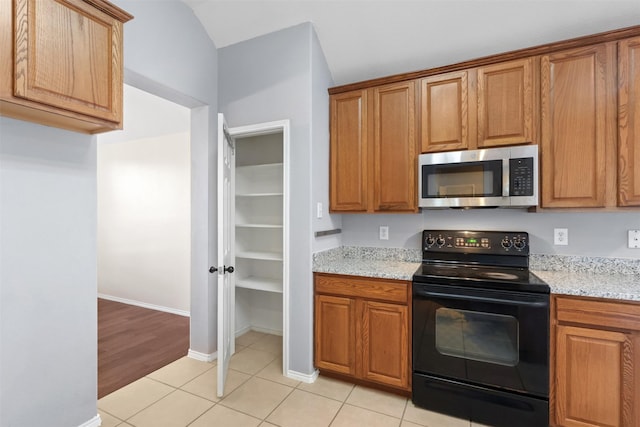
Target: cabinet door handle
229 269
213 269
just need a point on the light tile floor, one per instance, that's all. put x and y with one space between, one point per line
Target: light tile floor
184 394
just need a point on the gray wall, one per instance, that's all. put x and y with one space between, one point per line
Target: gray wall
48 329
48 289
270 78
320 81
168 53
601 234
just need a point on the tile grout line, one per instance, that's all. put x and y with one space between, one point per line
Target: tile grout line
376 411
149 405
277 406
344 402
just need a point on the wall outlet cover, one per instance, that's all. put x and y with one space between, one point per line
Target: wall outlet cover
384 232
561 236
634 239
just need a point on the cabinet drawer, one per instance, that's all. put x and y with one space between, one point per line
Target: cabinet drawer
602 313
363 287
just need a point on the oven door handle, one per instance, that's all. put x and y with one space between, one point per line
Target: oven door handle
479 299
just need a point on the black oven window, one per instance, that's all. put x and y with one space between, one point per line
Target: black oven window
485 337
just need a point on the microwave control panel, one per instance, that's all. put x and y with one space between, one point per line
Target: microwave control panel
521 177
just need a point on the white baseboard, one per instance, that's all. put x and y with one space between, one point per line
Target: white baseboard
93 422
203 357
243 331
257 329
305 378
145 305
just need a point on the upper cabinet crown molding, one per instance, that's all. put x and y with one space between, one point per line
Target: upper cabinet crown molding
545 49
64 61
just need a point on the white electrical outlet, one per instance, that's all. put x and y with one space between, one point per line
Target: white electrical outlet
319 210
634 239
384 232
560 236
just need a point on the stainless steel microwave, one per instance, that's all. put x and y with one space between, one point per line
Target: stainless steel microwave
493 177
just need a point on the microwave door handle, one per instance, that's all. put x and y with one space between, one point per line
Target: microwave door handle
505 177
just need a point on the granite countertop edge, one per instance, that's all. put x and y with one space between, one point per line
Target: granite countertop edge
609 278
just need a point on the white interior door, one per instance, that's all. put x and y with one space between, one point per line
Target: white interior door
226 285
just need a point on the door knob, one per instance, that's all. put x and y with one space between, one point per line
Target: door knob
212 269
229 269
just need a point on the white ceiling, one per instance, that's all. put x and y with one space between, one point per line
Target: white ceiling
364 39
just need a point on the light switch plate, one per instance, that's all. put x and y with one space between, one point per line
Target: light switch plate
634 239
319 210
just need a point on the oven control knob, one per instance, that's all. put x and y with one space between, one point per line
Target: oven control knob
440 241
430 241
506 243
519 243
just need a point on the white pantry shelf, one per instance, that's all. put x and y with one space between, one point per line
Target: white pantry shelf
269 256
260 284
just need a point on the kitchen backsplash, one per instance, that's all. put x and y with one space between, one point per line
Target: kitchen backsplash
591 234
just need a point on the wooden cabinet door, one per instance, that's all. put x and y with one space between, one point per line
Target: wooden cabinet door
590 377
629 122
506 103
68 55
394 148
444 112
385 343
335 334
578 126
349 152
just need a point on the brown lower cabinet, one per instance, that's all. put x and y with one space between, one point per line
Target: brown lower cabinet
595 369
362 329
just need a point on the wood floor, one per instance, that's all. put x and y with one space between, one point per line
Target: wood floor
135 341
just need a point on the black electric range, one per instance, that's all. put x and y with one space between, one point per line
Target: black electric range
480 329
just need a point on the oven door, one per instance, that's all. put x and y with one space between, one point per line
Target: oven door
482 336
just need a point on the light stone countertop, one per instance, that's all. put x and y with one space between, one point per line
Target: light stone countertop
614 278
386 263
589 284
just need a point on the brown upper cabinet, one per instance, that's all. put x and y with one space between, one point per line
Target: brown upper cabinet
507 107
629 122
483 107
349 152
578 100
65 63
578 127
591 142
373 154
444 112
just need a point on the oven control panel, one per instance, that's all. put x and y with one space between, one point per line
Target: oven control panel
489 242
